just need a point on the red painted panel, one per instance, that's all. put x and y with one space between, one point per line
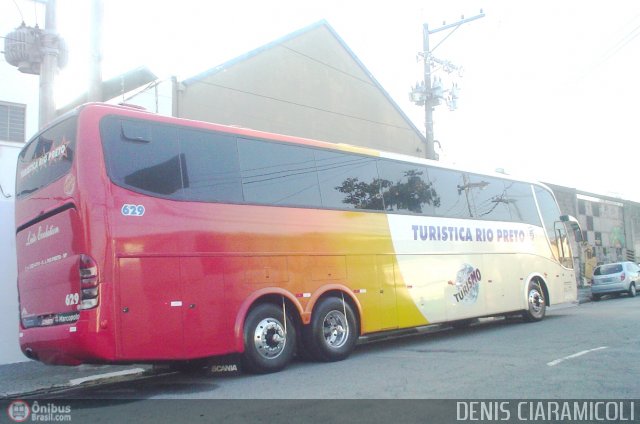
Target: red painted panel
150 309
207 324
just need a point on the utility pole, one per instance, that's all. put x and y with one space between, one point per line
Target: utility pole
95 72
39 52
49 65
428 104
428 95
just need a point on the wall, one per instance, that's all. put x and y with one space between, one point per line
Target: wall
308 85
603 222
157 98
9 350
23 89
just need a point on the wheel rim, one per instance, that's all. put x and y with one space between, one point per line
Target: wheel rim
536 301
269 338
336 329
633 290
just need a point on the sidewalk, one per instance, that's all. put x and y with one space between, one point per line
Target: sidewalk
33 378
584 294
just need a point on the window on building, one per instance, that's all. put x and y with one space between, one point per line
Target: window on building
598 237
590 223
595 208
12 122
582 208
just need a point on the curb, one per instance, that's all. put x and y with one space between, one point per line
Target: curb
89 381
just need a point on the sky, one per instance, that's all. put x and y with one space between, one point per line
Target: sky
548 90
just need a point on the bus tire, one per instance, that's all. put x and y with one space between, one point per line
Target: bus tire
268 344
331 336
536 302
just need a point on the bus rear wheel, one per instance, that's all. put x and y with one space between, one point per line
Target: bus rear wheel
269 339
536 302
333 331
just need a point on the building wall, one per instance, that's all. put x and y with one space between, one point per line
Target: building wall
632 230
308 86
158 98
603 223
21 89
566 198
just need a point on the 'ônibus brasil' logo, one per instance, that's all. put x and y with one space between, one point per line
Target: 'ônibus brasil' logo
467 284
19 411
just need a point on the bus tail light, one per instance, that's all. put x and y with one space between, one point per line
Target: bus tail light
90 290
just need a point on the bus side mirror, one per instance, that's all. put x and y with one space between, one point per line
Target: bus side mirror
575 226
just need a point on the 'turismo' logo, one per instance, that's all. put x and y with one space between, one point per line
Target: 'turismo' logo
467 284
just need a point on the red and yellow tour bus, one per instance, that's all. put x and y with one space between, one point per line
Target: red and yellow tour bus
144 238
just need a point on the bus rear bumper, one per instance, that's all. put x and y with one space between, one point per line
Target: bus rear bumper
66 344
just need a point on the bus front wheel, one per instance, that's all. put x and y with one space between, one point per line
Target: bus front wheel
536 302
269 339
333 331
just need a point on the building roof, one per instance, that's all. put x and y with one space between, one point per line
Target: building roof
323 23
115 86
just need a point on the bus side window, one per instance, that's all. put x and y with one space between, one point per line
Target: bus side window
487 197
348 181
142 155
521 203
555 229
406 188
451 200
277 174
212 169
562 240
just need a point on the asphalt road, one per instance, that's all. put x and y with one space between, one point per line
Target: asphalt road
585 352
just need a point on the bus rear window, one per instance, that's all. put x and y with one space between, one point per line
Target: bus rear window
46 158
170 161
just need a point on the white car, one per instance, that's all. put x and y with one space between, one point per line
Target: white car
619 277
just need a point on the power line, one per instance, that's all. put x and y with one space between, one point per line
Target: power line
19 11
619 45
264 96
368 82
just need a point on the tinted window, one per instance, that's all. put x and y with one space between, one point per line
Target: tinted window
144 156
348 181
487 197
406 188
449 191
211 166
608 269
46 158
521 204
549 211
278 174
